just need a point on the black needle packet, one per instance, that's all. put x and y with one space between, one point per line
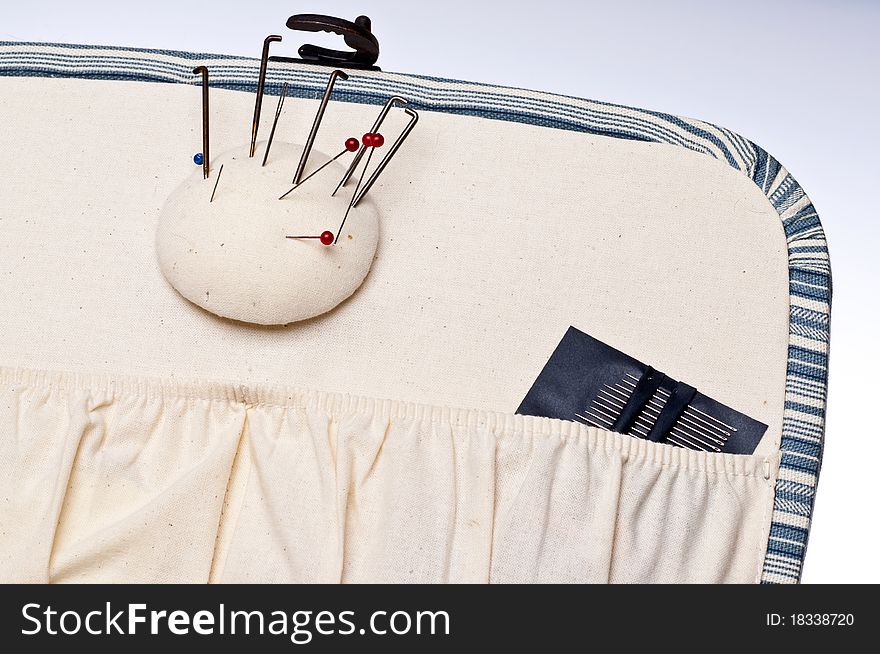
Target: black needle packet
590 382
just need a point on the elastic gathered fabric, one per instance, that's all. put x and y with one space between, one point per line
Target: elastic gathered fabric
131 480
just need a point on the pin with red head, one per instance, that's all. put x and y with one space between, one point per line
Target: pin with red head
326 237
371 140
351 145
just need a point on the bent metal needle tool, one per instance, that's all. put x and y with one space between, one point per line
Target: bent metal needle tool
392 102
206 155
310 141
261 87
413 119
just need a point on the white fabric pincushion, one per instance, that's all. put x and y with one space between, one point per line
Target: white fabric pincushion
231 256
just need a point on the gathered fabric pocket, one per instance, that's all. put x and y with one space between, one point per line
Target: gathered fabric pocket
106 480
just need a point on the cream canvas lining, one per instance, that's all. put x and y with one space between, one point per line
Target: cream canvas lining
495 237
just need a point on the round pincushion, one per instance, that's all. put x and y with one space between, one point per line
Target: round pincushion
231 256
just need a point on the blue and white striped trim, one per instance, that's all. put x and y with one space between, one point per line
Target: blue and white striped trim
809 271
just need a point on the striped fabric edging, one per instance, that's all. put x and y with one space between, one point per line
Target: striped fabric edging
809 269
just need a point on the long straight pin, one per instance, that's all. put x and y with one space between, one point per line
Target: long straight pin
638 431
664 394
653 412
690 443
641 430
601 407
373 141
326 238
695 434
599 422
596 408
618 408
645 420
672 438
689 438
607 399
350 146
591 423
601 401
413 119
647 425
297 176
624 391
674 441
699 443
275 122
261 86
702 424
680 426
217 181
709 429
712 418
690 410
206 162
623 396
596 420
710 446
393 100
613 410
602 418
611 398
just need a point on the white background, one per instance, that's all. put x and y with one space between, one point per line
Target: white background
799 77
